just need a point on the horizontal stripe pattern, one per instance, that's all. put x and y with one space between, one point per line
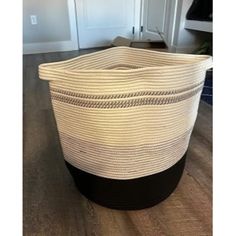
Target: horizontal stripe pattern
124 103
125 113
123 95
130 161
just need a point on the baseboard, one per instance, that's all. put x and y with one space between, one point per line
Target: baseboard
60 46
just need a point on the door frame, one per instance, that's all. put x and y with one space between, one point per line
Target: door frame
56 46
169 22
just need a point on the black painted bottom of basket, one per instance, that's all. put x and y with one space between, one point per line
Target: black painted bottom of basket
133 194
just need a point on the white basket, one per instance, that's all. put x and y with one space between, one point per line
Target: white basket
125 113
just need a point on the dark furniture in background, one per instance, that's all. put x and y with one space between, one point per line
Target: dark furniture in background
200 10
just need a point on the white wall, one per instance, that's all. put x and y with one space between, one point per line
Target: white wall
56 28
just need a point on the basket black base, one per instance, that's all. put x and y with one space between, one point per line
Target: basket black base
133 194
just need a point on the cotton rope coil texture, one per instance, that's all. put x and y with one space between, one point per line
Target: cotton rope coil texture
125 113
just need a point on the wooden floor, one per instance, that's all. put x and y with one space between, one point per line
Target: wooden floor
53 205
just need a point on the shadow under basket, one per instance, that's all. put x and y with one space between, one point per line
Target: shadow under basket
134 194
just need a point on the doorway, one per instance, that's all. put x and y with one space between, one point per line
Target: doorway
100 21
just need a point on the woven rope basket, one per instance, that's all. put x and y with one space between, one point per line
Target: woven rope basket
125 113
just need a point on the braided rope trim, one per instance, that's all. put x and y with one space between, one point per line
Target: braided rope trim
124 103
124 95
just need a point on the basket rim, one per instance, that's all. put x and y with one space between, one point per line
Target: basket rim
205 62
